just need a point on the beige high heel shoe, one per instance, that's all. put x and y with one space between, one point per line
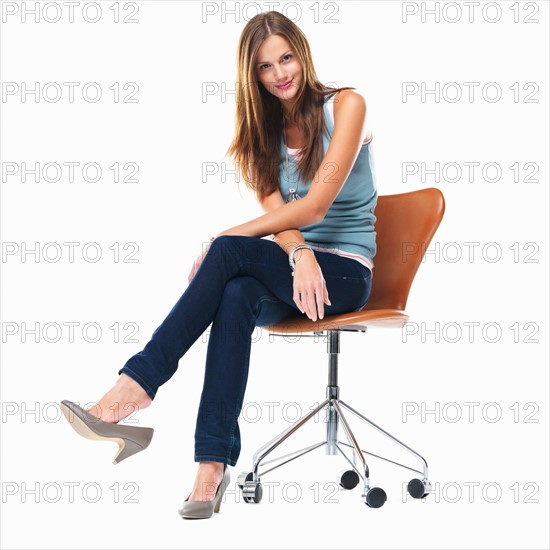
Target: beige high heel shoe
130 439
191 509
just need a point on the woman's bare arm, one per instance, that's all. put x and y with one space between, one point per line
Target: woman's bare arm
342 152
285 216
288 238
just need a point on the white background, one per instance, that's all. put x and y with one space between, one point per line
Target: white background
172 52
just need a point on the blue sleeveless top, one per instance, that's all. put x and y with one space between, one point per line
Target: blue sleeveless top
349 223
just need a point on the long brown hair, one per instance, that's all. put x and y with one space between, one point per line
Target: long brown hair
256 146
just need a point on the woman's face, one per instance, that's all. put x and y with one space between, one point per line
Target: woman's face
277 64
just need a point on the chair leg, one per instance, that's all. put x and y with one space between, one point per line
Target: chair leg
261 453
353 442
387 434
374 497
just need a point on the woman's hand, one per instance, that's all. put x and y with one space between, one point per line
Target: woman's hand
197 263
310 289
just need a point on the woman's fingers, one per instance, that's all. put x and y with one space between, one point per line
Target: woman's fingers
297 300
195 268
310 308
310 290
319 297
310 300
325 296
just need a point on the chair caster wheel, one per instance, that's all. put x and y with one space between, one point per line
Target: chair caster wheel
252 491
418 488
375 497
243 478
348 479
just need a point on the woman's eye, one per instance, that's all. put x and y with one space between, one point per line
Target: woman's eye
266 64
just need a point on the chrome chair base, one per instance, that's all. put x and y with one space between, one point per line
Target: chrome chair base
374 497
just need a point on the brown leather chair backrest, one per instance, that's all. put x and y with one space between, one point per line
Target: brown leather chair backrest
405 224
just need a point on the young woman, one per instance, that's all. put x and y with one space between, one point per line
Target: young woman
304 149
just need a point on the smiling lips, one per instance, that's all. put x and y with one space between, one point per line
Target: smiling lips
284 86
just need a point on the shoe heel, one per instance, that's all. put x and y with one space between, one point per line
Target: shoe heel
126 448
223 487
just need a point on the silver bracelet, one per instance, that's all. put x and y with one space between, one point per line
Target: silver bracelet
291 256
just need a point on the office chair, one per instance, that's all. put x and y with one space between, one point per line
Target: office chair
405 225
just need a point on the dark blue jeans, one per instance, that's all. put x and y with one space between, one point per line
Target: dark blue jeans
242 282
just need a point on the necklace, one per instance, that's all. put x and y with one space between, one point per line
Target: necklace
292 192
